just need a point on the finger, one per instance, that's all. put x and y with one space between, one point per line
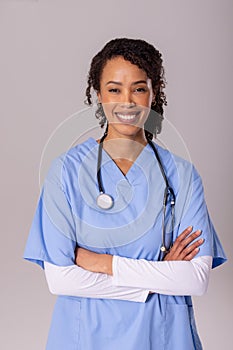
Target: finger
182 236
185 233
191 255
192 248
185 242
192 236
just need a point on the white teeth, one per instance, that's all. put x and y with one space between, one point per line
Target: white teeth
125 116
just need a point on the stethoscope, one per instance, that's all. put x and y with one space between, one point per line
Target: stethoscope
105 201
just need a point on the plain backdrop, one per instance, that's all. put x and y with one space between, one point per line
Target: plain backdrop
46 49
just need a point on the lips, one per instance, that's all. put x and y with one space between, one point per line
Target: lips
127 117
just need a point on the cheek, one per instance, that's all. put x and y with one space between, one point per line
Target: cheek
145 100
109 108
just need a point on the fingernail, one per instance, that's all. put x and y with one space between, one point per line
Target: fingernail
190 227
197 249
201 240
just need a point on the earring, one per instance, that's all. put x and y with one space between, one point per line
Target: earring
153 103
100 114
100 109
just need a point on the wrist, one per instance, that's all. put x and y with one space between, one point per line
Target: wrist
107 264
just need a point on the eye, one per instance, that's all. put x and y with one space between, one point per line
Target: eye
114 90
140 89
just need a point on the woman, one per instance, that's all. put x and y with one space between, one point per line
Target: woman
123 264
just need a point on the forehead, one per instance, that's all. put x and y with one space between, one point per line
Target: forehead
120 68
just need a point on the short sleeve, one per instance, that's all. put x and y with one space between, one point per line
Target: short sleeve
52 236
197 215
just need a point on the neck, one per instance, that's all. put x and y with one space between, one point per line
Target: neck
127 147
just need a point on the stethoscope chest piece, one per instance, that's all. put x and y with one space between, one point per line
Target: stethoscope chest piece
104 201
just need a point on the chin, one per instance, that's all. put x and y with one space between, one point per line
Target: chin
126 130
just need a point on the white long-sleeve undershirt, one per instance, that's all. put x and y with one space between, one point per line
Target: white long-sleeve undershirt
165 277
75 281
132 279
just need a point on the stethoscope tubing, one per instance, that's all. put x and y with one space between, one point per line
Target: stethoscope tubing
107 201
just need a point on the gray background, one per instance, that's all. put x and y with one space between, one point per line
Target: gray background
46 48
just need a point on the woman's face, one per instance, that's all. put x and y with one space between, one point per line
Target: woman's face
126 95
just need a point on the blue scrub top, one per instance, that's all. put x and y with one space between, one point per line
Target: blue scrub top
67 215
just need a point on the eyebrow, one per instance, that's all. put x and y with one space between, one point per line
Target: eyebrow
134 83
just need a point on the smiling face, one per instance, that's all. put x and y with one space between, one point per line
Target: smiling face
126 94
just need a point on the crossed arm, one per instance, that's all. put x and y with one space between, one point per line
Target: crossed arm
103 263
106 276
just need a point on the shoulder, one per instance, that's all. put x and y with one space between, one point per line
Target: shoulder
79 152
67 163
176 166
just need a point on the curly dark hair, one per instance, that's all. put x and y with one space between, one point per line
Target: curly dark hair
146 57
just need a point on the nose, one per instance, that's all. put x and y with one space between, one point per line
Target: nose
127 100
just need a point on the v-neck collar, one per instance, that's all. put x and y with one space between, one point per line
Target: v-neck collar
141 161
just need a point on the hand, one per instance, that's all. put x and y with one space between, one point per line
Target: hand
180 249
94 262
